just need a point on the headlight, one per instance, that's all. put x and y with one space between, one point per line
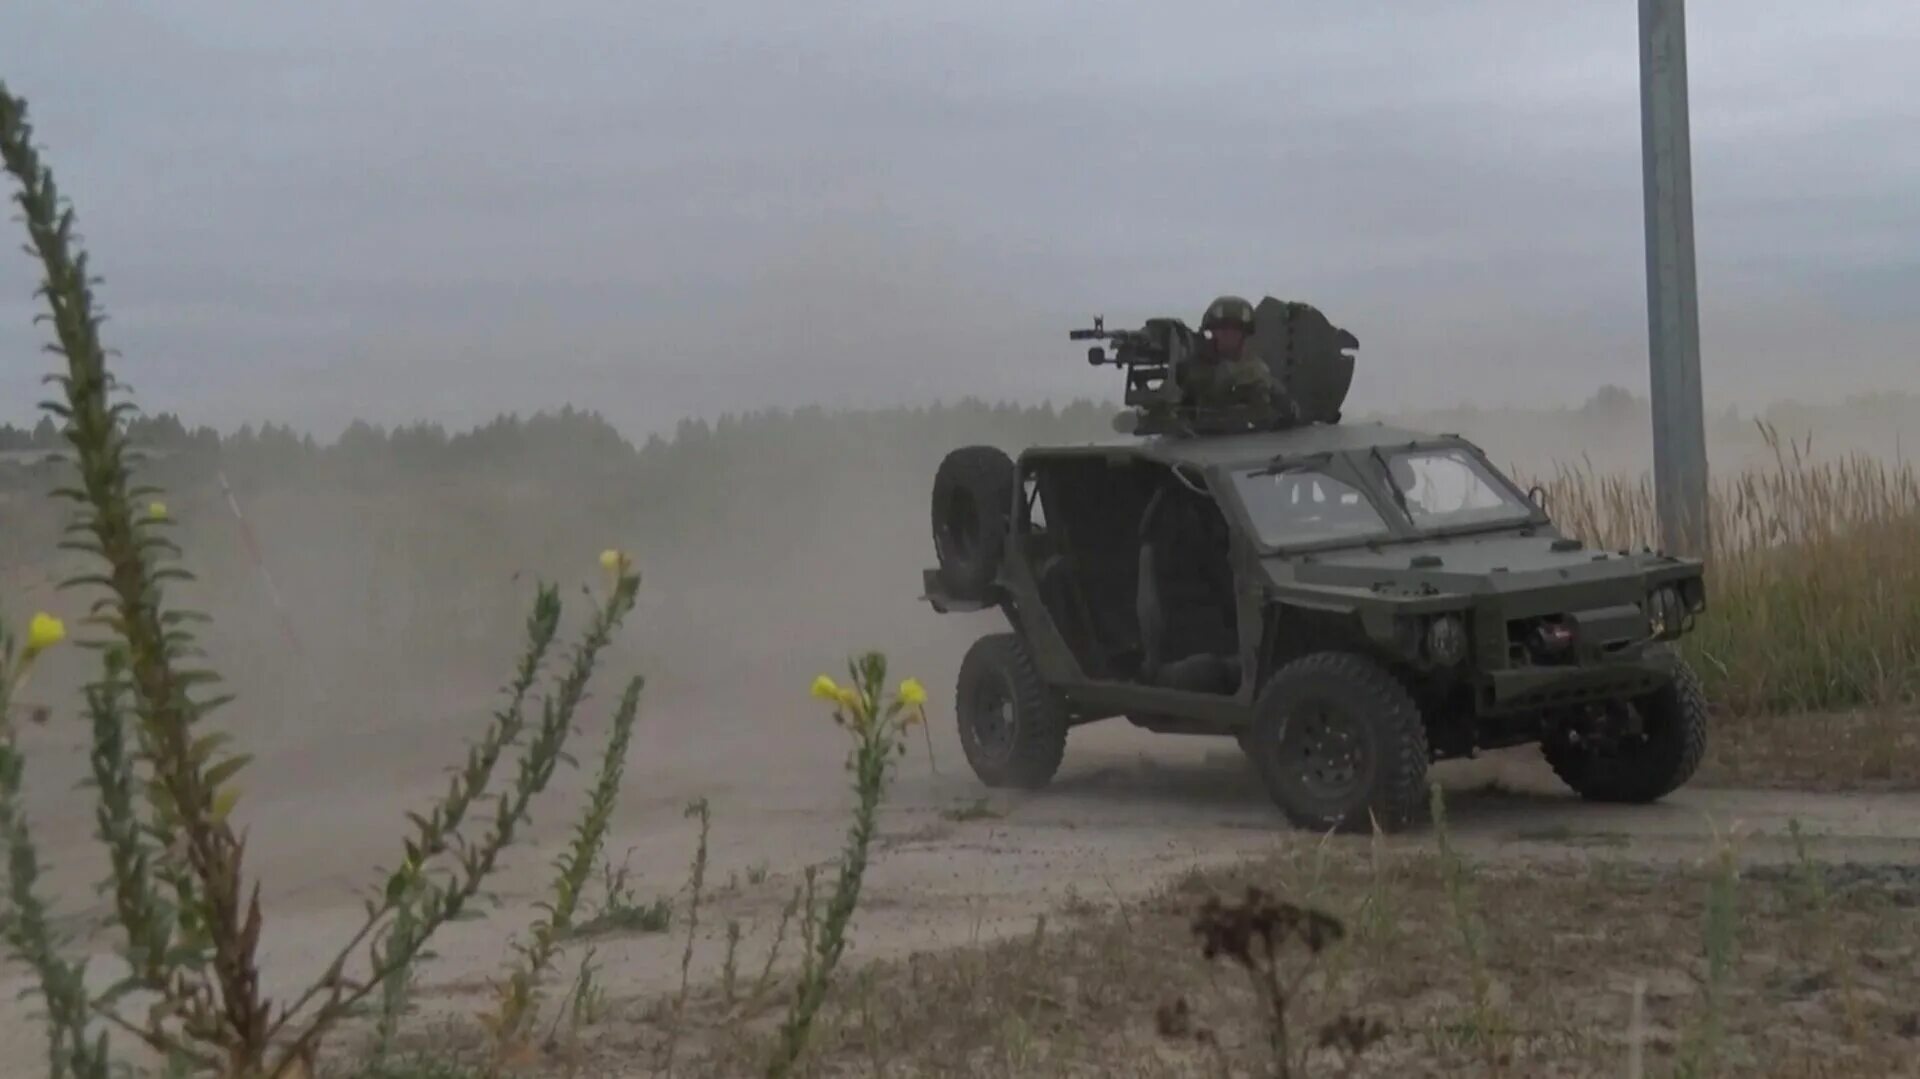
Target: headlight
1666 612
1447 640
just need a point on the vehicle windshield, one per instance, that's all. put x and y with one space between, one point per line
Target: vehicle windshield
1451 488
1304 506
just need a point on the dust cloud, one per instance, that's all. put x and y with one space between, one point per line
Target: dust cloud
387 608
770 549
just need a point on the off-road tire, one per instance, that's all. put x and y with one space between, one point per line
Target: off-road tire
998 668
972 495
1375 710
1676 719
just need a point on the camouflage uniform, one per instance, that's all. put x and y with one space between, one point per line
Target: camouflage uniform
1211 381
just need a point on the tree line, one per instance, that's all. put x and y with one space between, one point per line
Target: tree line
578 442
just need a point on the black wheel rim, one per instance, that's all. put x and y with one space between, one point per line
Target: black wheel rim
1608 745
1326 752
992 721
1610 742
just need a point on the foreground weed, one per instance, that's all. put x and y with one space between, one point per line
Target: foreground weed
447 817
697 886
730 967
877 723
1814 895
620 911
1487 1023
1378 916
779 940
1702 1053
1255 934
189 924
194 943
978 809
574 867
698 808
71 1049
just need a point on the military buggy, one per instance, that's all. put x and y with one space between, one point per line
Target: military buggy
1350 602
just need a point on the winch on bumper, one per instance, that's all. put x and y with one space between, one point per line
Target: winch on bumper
1557 661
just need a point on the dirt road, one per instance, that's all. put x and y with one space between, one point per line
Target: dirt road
955 863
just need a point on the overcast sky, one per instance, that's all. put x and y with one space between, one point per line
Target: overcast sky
311 212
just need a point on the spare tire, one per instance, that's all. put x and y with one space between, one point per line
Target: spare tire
972 496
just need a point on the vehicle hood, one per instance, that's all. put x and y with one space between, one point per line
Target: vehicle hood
1499 563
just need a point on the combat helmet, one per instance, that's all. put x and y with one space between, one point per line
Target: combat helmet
1227 311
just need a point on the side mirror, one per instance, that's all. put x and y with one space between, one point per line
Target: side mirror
1126 423
1538 496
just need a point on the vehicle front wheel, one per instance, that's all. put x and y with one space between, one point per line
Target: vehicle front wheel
1011 729
1639 751
1341 744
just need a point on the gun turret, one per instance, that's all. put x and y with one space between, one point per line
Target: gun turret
1131 348
1306 353
1150 354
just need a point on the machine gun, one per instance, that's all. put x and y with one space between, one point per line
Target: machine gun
1307 354
1151 354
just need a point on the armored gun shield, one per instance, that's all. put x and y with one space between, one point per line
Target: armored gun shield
1307 354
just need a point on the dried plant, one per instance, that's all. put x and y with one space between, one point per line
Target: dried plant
1256 933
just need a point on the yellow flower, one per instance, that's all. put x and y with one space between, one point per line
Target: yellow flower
832 692
157 510
611 560
44 632
912 693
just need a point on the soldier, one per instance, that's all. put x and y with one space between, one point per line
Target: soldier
1229 372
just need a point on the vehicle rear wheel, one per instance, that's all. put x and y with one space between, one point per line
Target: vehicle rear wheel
1642 750
972 496
1011 729
1340 745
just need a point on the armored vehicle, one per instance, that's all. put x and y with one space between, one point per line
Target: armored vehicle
1350 602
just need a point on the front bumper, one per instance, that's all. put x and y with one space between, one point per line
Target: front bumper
1532 689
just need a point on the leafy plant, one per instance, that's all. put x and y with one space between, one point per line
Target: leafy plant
877 722
575 865
189 921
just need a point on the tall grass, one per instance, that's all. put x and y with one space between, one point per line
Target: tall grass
1813 575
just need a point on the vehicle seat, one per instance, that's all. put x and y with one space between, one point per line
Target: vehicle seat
1185 610
1067 603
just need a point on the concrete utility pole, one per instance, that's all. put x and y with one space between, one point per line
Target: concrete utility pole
1673 316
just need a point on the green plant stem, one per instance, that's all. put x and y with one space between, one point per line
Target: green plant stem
701 810
183 765
1460 899
70 1052
876 728
441 904
443 822
147 923
575 867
